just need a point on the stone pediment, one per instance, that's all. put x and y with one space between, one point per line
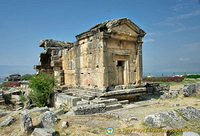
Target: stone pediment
124 28
123 25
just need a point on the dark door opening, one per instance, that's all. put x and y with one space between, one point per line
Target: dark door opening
120 72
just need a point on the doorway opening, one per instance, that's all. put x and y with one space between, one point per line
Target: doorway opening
120 71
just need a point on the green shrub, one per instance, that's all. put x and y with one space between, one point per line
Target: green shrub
42 86
22 98
192 76
26 77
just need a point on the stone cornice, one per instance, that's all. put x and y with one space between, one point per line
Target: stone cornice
120 36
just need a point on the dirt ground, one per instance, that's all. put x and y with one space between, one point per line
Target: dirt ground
93 125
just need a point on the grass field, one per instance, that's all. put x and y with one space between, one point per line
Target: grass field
178 83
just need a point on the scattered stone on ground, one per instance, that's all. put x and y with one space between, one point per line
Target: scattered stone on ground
2 101
110 115
59 112
169 119
44 132
174 93
83 102
172 119
175 105
65 124
40 109
165 96
190 134
48 119
15 91
19 108
132 118
188 90
26 122
8 121
198 88
190 113
163 87
4 113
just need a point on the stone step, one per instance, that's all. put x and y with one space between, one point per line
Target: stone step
94 93
87 109
2 102
73 90
85 96
122 87
105 101
113 107
124 102
131 97
63 87
92 109
62 98
125 91
83 103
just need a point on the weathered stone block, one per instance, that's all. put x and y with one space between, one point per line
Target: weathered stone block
15 91
88 109
65 124
48 119
113 107
83 102
40 109
174 93
4 113
190 113
59 112
8 121
62 98
106 101
189 90
198 88
44 132
169 119
26 122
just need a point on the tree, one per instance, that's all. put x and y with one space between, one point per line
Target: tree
42 86
26 77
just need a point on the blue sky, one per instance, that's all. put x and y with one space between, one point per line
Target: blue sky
172 43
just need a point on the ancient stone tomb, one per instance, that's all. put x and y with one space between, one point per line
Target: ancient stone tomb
108 54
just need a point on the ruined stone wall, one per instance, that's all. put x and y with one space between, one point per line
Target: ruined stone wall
83 64
123 52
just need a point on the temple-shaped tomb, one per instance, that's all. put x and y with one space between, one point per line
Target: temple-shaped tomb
108 54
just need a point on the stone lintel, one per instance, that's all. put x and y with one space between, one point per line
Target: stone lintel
120 36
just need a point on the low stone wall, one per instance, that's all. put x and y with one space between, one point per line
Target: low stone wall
155 87
88 109
62 98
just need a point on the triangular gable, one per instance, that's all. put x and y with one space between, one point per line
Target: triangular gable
124 28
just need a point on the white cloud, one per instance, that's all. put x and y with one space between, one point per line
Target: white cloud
194 45
183 4
184 59
181 29
175 20
150 34
148 40
185 16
